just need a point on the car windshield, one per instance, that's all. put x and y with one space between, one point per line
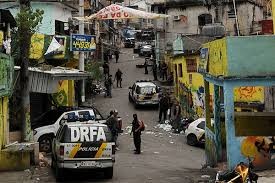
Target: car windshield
146 90
86 133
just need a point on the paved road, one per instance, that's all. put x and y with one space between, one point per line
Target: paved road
165 156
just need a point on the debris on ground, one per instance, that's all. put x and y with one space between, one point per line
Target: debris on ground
128 129
166 127
150 132
43 160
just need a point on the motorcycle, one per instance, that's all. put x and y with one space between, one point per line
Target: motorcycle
96 89
242 173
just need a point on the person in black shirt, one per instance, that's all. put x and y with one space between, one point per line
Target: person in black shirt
136 130
106 69
108 85
117 55
164 105
118 77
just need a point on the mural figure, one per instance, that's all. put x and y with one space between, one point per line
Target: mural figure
261 149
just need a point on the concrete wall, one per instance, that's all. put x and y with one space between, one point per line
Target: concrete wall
52 11
189 23
189 19
245 17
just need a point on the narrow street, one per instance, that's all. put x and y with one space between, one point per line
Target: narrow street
165 156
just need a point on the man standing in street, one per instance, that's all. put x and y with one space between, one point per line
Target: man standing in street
155 68
117 55
164 71
164 105
108 85
112 123
176 117
106 70
118 78
136 130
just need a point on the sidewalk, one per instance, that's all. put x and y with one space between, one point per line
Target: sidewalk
267 176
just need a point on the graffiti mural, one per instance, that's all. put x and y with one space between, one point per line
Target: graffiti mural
261 149
249 94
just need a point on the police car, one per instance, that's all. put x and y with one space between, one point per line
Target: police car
82 146
44 133
144 92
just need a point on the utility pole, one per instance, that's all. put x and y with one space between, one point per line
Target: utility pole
81 54
236 18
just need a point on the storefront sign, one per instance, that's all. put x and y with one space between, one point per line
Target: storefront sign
83 42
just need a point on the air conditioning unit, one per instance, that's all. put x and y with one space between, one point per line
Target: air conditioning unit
177 18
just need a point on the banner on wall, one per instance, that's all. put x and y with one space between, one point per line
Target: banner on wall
57 48
81 42
203 60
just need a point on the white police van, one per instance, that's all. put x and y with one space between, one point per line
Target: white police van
45 134
80 146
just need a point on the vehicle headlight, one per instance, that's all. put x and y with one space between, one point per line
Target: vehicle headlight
34 132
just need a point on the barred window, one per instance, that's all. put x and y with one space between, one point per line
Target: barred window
191 65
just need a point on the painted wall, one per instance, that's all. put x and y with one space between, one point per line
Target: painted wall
52 11
193 99
217 59
4 102
252 54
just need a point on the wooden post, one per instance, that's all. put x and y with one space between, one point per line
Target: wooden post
232 146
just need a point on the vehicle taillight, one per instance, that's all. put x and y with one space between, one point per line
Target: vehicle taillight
61 150
113 149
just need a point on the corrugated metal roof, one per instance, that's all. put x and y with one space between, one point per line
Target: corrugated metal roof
194 42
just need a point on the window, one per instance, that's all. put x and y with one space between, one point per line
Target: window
204 19
201 125
85 116
59 27
231 12
191 65
180 70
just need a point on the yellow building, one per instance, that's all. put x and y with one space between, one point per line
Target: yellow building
189 84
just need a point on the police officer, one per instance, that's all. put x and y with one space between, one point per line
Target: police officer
136 130
113 124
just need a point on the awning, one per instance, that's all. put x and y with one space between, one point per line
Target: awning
115 12
45 80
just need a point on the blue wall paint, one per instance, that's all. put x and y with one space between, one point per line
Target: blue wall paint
232 146
251 55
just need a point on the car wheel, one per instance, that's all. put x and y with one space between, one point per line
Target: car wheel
130 99
45 143
53 163
136 106
192 140
59 175
108 173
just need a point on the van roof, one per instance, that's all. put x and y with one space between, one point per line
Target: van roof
88 123
143 84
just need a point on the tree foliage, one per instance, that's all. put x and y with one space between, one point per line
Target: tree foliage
28 22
